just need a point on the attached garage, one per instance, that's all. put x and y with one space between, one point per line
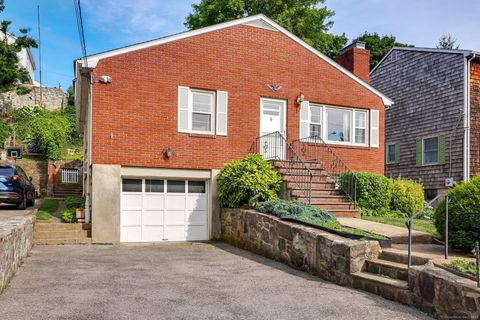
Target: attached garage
163 210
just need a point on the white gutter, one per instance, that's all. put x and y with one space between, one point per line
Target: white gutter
466 120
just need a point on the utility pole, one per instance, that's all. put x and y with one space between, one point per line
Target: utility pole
40 56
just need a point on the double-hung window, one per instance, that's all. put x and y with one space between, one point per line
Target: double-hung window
202 111
315 121
360 127
391 156
430 150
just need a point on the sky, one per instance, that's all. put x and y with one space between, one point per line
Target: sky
110 24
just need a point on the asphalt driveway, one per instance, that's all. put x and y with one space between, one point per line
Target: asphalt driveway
178 281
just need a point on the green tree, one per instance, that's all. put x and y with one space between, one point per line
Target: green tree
447 41
71 96
10 72
379 46
305 18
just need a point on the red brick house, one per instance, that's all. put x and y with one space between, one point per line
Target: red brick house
160 118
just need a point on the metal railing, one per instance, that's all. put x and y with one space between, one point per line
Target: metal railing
316 150
70 175
274 146
409 223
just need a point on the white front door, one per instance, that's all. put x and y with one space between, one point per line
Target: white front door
272 119
163 210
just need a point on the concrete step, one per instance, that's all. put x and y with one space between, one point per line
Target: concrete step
387 268
59 226
71 234
63 241
401 257
388 288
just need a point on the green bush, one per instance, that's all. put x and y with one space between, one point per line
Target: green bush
69 216
407 196
463 214
249 180
74 202
373 191
295 210
5 131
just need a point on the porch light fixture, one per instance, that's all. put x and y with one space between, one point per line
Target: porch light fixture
168 152
105 79
300 98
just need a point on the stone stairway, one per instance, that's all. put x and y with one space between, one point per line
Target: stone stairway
324 194
387 276
65 190
62 233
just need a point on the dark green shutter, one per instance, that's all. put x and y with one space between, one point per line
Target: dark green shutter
441 149
397 152
419 152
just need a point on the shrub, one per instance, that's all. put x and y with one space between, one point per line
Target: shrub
249 180
373 191
295 210
463 214
74 202
407 196
5 131
69 216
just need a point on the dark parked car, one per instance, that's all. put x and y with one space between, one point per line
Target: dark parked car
15 187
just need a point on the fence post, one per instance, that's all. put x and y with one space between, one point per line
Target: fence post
409 244
477 265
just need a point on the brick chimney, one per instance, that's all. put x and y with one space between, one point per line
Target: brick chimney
356 59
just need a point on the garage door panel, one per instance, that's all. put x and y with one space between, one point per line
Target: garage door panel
153 201
196 233
132 201
175 217
152 233
131 234
131 218
175 233
175 202
198 218
152 218
196 202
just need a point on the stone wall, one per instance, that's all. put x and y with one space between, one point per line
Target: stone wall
38 170
16 239
52 98
328 256
444 294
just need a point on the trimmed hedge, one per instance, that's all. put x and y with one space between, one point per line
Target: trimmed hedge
69 216
407 196
374 191
463 214
248 181
74 202
294 210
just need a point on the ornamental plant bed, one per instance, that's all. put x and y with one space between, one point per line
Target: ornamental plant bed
461 268
317 218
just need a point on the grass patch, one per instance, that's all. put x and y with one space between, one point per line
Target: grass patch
417 224
48 208
464 266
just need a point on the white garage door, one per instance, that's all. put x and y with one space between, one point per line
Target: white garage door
163 210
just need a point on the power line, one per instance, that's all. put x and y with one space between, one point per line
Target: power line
81 34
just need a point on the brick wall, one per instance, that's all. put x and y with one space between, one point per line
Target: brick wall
474 118
135 117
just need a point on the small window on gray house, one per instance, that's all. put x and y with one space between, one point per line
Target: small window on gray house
391 153
430 150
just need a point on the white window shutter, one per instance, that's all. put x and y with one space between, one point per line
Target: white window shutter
222 110
304 119
183 123
374 128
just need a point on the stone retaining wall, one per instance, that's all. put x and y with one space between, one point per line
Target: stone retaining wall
328 256
16 239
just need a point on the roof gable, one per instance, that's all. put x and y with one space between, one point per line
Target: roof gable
260 21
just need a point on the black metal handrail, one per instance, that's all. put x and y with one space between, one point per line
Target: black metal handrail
409 222
274 146
315 149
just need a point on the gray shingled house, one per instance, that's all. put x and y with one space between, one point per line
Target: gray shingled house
432 132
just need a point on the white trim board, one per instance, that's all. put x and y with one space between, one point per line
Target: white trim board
256 20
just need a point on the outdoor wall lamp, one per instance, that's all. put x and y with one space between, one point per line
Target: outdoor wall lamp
168 152
300 98
105 79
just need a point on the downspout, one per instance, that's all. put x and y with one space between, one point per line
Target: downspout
466 120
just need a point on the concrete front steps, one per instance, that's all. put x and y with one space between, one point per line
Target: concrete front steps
324 194
65 190
387 276
62 233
